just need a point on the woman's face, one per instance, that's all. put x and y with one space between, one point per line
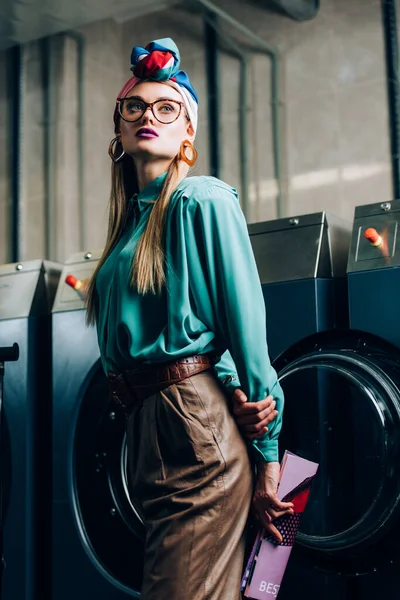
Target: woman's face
147 138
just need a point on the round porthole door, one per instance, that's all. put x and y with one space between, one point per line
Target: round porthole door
110 527
342 410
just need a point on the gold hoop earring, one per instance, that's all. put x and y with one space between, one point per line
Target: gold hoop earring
113 142
182 154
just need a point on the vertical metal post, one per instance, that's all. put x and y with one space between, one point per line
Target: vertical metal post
49 211
15 87
273 53
242 55
389 21
276 131
211 46
80 46
243 127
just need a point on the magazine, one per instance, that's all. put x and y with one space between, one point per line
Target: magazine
268 559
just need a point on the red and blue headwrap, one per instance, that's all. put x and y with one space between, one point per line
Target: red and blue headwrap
159 61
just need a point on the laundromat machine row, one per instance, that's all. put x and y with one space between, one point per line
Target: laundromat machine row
331 291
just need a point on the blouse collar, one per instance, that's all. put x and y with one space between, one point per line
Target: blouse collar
150 193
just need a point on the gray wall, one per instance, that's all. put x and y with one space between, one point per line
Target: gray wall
335 134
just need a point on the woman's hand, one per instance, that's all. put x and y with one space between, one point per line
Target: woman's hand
266 504
252 418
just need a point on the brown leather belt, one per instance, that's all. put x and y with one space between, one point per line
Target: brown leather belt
129 387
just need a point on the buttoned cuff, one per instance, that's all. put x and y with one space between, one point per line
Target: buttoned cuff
230 383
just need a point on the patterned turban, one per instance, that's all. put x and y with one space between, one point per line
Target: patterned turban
159 61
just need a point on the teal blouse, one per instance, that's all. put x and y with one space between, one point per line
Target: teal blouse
212 301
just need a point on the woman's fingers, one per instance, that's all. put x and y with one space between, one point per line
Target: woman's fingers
239 397
275 514
266 522
281 506
266 503
275 511
266 518
253 432
257 427
241 408
264 416
273 503
253 417
274 532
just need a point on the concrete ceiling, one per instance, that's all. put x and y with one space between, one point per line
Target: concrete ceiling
23 21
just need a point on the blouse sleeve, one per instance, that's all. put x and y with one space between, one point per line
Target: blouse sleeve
227 372
225 275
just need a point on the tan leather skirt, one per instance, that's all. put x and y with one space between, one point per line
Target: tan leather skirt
191 479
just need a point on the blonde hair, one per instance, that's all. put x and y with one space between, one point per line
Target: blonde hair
148 268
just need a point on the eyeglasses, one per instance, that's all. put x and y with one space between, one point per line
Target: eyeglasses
164 110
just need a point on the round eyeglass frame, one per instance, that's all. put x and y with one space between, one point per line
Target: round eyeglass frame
150 105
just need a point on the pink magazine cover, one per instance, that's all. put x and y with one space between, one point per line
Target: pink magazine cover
267 563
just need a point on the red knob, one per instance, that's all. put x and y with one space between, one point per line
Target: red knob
373 236
72 281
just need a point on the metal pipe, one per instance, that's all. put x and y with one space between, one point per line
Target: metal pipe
275 85
242 55
389 21
299 11
276 130
212 8
15 79
80 43
211 43
243 124
49 150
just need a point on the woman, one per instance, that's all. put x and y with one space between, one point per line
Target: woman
180 317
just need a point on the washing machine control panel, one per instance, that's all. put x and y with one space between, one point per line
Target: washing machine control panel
78 285
377 242
76 274
374 238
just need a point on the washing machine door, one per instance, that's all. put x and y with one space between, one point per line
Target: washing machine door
342 410
109 525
